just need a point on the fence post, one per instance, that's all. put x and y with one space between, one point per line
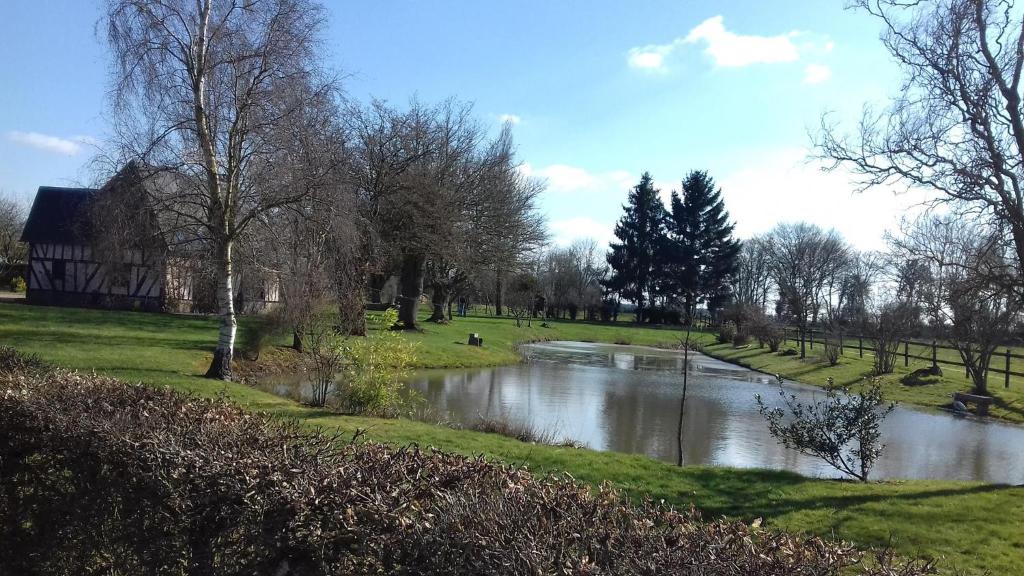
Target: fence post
906 354
1006 383
860 346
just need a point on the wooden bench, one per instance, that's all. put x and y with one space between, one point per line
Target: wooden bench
982 402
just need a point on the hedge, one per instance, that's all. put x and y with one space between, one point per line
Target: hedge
103 477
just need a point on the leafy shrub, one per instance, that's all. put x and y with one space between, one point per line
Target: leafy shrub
726 333
103 477
18 285
376 368
844 429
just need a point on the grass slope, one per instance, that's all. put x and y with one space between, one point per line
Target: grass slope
1008 405
968 525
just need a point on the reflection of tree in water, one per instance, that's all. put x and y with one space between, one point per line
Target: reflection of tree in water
645 420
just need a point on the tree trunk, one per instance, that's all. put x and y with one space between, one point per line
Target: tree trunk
297 340
377 282
439 300
220 368
497 294
410 283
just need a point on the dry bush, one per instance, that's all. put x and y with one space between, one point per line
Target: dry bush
522 431
833 348
726 333
103 477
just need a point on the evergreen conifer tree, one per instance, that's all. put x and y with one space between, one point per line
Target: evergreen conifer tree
640 234
700 250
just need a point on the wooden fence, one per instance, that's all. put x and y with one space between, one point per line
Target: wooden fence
1002 362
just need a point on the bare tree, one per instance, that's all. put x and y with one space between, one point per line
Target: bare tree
957 125
968 291
522 290
753 279
444 198
805 260
231 95
12 222
891 325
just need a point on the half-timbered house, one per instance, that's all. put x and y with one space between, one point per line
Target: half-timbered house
73 261
65 269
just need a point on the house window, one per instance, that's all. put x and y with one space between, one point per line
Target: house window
58 273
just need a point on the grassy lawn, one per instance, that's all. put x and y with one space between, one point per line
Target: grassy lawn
968 525
1008 405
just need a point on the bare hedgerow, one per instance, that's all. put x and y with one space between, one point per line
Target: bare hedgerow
103 477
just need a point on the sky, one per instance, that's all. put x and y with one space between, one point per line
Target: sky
599 91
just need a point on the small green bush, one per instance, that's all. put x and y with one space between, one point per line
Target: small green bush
376 368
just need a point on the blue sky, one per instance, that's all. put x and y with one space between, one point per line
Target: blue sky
600 91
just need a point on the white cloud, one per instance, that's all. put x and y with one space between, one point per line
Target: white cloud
782 186
509 118
563 232
67 146
650 57
729 49
563 178
726 48
816 73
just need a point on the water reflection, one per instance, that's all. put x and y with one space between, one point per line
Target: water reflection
626 399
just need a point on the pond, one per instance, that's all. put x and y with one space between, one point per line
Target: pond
626 399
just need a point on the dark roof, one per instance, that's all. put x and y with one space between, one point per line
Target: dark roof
58 216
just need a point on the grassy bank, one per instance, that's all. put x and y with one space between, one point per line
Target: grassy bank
969 525
852 368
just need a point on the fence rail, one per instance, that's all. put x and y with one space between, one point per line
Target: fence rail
904 351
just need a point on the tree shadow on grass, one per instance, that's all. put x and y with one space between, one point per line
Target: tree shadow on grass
747 496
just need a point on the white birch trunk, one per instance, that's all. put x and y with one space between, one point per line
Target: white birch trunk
221 366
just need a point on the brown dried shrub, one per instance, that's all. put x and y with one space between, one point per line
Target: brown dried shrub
104 477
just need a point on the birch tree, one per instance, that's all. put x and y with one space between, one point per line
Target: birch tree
228 94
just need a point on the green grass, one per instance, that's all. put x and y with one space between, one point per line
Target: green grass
969 525
1008 405
445 346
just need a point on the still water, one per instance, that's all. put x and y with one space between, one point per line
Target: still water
626 399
